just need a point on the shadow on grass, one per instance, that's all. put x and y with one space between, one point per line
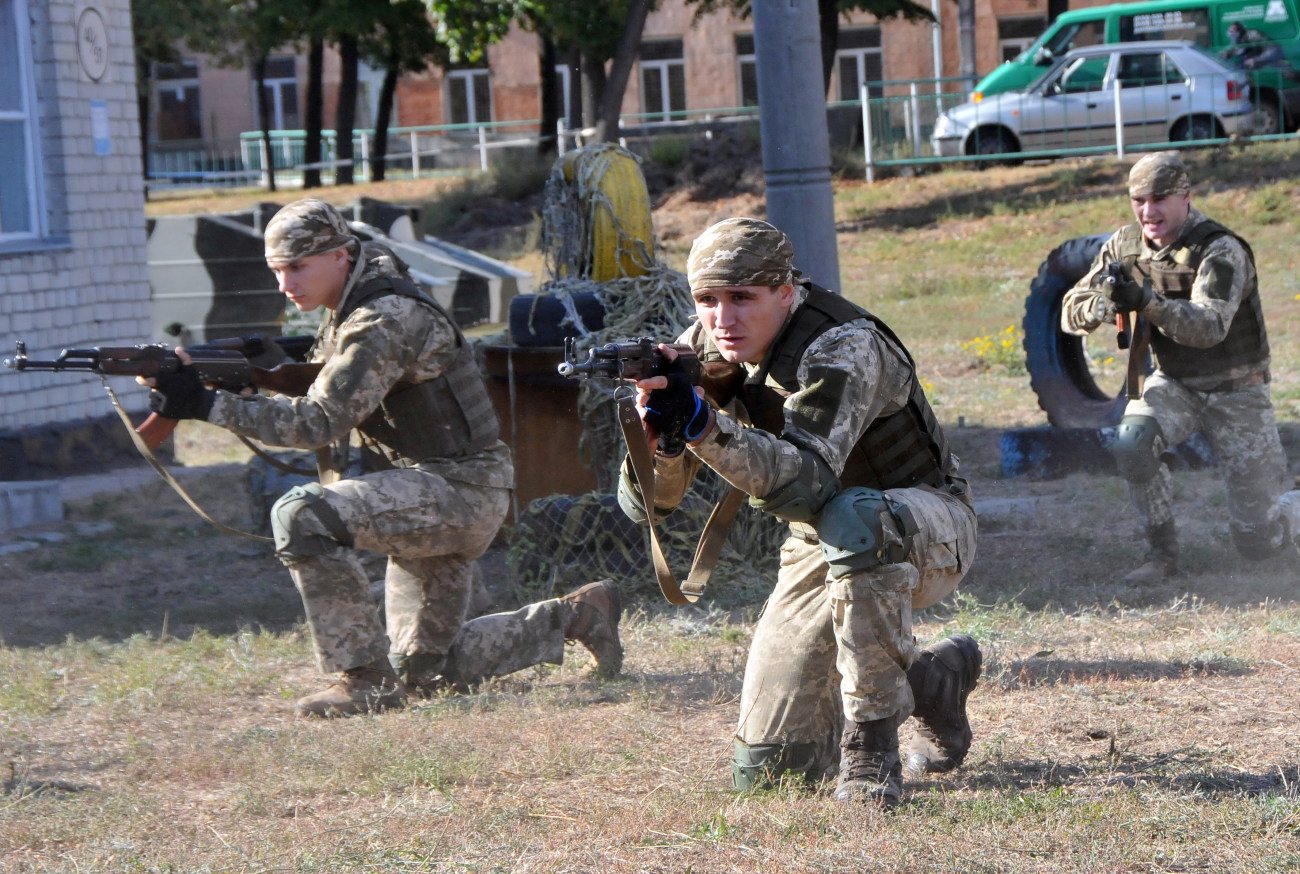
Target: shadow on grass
1186 771
1023 673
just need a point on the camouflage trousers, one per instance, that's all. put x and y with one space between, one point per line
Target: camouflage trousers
432 530
1241 427
828 649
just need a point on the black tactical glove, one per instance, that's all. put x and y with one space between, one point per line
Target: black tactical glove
181 395
676 412
1128 296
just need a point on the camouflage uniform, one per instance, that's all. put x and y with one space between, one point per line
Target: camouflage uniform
1224 397
432 518
827 647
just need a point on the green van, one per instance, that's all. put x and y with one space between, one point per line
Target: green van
1261 36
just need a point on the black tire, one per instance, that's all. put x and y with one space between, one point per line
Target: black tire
992 141
1196 127
1269 118
1058 363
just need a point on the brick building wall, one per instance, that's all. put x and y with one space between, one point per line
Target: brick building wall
82 280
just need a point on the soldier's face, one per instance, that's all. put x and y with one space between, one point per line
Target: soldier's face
313 280
1162 217
743 320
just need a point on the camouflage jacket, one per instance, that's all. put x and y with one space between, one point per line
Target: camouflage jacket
862 376
387 340
1200 322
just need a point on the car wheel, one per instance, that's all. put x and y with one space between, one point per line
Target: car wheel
1198 127
1061 370
991 141
1268 118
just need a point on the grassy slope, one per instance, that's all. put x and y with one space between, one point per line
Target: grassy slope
1117 730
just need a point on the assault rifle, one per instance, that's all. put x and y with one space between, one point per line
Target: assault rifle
223 364
1132 333
642 358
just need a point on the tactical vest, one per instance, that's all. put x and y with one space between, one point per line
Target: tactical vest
445 417
1246 342
900 450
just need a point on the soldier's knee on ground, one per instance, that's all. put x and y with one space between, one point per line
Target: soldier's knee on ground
1138 446
762 766
863 529
304 525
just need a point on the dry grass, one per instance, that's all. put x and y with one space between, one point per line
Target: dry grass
150 667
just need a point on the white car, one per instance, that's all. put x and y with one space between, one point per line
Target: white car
1168 91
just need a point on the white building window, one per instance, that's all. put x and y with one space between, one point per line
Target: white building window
20 173
746 70
469 97
280 91
858 61
663 78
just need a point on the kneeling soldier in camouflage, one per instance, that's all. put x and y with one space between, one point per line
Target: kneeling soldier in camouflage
846 449
1193 281
396 368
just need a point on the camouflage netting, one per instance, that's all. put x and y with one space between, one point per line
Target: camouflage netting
564 541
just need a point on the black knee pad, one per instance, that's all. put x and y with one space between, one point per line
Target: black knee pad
1137 448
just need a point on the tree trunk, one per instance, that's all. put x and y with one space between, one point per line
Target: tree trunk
383 115
593 90
574 59
611 104
346 113
546 59
829 21
264 120
315 109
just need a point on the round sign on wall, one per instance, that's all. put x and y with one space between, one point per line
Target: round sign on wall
92 43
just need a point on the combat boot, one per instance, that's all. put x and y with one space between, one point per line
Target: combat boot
590 616
367 689
1161 560
942 678
870 769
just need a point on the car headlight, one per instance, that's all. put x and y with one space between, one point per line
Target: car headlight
944 127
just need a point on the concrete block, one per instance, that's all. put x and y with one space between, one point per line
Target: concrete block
27 504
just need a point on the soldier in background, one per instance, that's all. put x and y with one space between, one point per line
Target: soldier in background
846 450
397 369
1193 281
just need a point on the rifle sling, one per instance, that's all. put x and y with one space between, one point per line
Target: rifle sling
715 530
1139 345
296 469
167 475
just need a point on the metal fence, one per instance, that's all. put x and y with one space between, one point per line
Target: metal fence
892 121
899 125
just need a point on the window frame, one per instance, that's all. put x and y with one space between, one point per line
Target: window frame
858 55
275 85
663 67
745 59
26 114
465 79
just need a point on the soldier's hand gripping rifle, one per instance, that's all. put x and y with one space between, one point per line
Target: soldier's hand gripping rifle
642 358
223 364
1132 333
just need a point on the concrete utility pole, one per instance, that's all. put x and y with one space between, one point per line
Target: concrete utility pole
966 34
796 147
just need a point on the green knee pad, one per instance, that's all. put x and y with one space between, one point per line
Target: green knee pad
761 766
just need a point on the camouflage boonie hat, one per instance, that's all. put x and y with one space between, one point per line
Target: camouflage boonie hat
305 227
1157 175
741 251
